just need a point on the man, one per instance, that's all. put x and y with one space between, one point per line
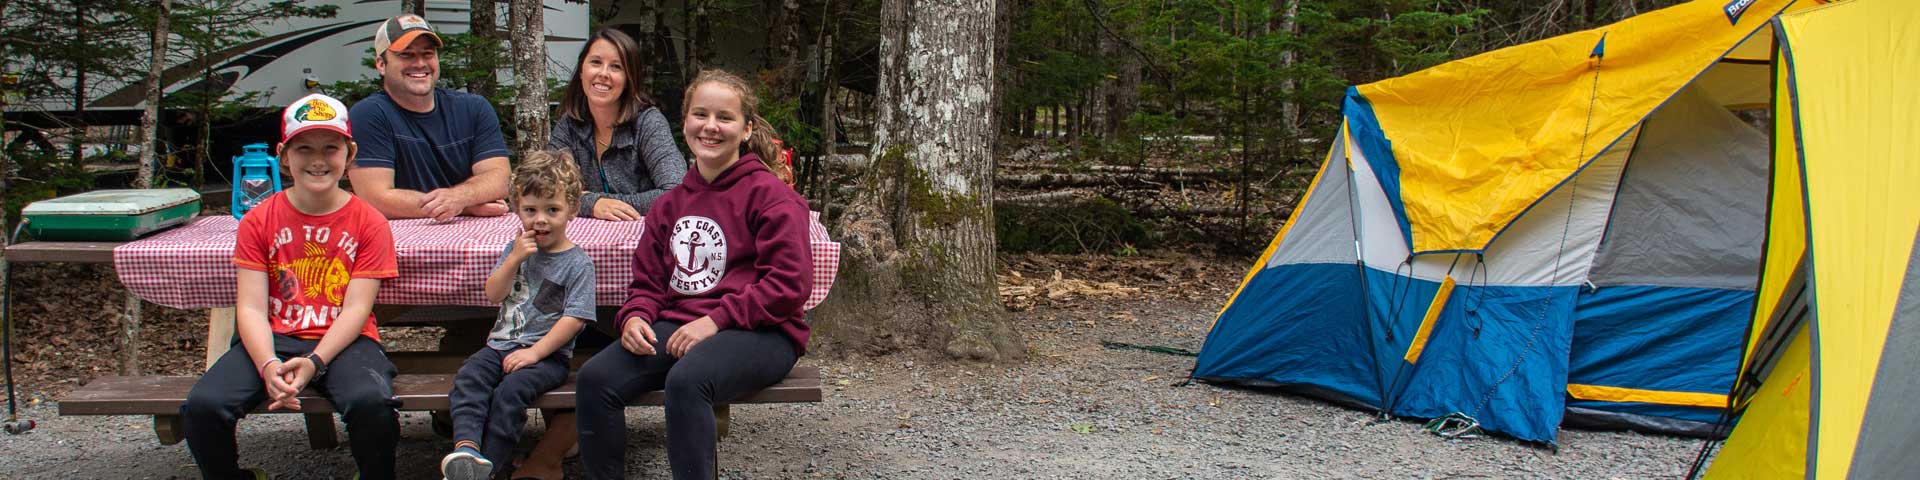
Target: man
425 152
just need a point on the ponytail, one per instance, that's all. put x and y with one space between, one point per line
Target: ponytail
765 143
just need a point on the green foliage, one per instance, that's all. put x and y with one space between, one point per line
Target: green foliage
52 177
784 115
49 44
204 30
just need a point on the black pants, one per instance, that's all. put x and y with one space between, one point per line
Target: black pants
359 382
719 369
489 407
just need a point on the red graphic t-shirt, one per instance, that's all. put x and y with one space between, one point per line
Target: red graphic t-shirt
309 259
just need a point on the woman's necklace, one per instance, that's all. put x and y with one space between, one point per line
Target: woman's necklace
602 138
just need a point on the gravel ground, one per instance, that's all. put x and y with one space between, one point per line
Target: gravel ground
1074 409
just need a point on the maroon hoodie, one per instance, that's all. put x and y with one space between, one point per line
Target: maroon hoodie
734 249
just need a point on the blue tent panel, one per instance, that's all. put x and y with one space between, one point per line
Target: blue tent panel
1373 144
1497 354
1670 339
1295 325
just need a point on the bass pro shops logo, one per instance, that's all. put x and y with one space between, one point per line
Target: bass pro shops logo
699 255
314 111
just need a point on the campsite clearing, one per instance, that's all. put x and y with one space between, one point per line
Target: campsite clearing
1073 410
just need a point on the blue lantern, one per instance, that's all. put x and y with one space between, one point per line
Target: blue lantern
256 176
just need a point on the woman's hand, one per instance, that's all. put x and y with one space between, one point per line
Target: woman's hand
637 337
689 335
612 209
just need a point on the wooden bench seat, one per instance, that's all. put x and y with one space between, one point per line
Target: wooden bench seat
161 397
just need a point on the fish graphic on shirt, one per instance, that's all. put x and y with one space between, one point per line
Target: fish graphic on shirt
320 274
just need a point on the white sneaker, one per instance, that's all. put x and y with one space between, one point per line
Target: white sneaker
465 464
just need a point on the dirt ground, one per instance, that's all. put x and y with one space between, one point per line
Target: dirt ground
1074 409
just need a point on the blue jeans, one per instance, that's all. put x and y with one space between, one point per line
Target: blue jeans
489 407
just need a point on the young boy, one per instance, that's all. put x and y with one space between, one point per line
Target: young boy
310 261
545 286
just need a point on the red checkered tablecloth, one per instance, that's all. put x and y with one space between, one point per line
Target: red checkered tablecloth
440 263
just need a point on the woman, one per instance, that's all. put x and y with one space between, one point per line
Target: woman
714 310
621 142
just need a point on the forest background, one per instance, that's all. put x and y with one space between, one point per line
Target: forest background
932 135
1226 103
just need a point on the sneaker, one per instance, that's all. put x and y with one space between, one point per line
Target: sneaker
258 474
465 463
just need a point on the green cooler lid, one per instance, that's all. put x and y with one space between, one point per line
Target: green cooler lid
113 202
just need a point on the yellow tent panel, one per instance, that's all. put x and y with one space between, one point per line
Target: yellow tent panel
1771 440
1856 128
1538 115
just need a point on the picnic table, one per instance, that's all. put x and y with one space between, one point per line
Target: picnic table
441 264
443 267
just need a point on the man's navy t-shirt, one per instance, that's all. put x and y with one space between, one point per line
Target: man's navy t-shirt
427 151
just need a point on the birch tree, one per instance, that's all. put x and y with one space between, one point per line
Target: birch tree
917 265
150 115
529 73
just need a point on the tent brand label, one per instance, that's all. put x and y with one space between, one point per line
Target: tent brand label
1735 9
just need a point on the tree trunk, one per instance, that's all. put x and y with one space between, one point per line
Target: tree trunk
79 129
699 41
783 47
1289 109
917 264
1003 81
417 7
529 75
829 84
483 24
150 116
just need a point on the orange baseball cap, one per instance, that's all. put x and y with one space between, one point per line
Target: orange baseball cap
398 32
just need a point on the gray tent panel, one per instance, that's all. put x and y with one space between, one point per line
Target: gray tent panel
1323 231
1691 207
1889 432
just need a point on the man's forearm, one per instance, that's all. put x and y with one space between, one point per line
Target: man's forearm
396 203
488 183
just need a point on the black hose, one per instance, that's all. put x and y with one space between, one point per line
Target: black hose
6 325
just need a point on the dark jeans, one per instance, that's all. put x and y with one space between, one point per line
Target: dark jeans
359 382
490 407
719 369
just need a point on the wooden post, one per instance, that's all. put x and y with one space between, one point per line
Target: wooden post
320 432
219 333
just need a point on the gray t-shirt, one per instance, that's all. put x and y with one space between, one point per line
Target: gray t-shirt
548 286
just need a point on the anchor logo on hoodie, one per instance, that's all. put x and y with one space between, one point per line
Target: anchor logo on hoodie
699 254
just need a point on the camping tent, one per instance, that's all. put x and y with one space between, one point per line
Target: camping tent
1831 351
1568 229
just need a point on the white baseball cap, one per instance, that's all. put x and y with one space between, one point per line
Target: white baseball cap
314 111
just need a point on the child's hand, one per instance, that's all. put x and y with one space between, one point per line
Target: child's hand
519 359
294 375
277 388
637 337
282 387
523 247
